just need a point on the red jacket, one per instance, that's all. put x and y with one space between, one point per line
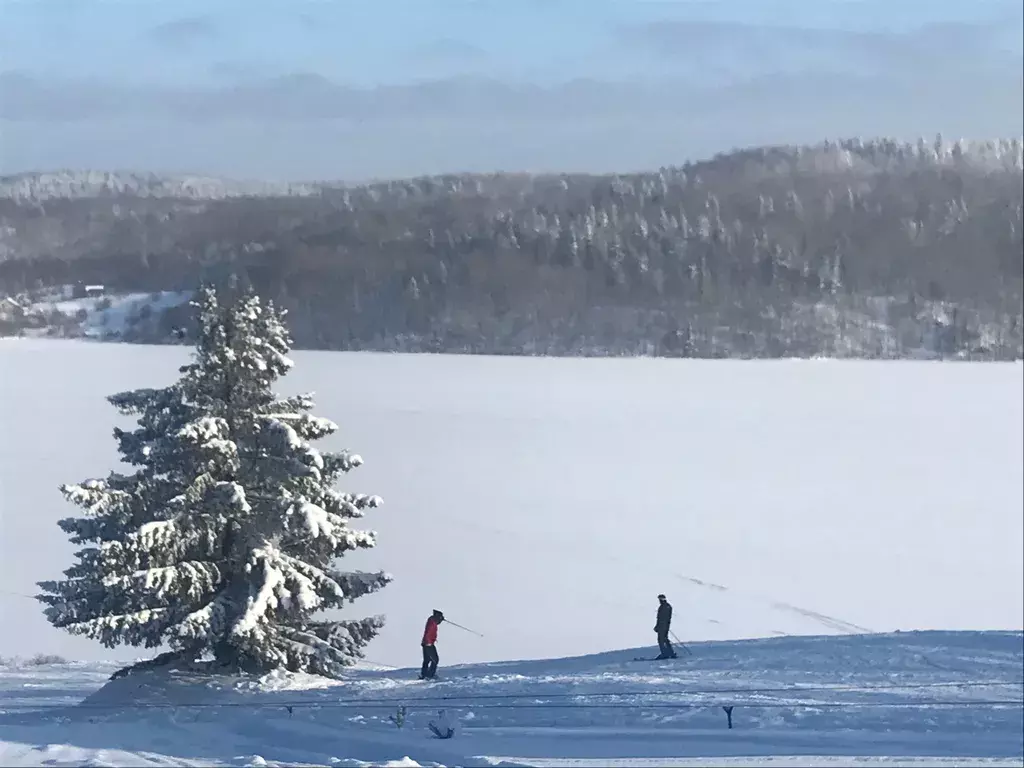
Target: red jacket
430 632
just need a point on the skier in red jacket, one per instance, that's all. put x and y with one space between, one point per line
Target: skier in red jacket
430 657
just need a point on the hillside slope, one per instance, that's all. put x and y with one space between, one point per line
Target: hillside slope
932 694
881 249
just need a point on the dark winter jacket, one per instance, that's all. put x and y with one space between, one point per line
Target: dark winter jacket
430 632
664 617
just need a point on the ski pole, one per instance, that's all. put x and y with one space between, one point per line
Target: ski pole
680 642
464 629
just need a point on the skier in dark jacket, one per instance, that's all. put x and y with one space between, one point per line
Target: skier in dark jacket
430 657
662 627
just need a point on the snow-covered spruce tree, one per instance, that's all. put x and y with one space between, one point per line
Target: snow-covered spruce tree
224 541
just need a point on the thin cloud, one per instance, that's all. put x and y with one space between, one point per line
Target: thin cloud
768 47
310 96
449 51
181 33
306 21
237 72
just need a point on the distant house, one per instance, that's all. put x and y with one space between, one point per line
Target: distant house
10 308
83 291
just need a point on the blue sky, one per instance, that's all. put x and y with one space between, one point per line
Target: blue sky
303 89
367 42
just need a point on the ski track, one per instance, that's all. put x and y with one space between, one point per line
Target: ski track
830 622
605 709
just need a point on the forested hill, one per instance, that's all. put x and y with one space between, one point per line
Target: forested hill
853 248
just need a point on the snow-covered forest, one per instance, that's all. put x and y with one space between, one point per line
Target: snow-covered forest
878 249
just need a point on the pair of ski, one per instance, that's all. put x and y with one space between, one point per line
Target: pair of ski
674 656
679 644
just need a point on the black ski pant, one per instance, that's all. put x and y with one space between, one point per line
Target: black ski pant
430 660
664 646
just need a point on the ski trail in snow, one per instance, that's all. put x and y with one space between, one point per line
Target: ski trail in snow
822 618
699 583
830 622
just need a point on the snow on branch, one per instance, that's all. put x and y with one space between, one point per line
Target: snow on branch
205 429
306 425
314 520
355 584
270 589
221 497
145 627
94 495
207 624
140 400
350 505
295 403
283 441
212 435
341 462
106 509
189 580
326 648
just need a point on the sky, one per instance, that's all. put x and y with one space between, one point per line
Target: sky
99 82
218 42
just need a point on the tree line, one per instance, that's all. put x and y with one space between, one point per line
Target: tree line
852 248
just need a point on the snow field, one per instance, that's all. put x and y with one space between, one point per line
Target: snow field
885 697
544 503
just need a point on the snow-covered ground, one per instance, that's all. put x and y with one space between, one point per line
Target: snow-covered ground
545 502
936 694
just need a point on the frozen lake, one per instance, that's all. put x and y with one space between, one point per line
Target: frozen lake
545 502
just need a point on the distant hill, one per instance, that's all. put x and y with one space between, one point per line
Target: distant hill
27 188
864 248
